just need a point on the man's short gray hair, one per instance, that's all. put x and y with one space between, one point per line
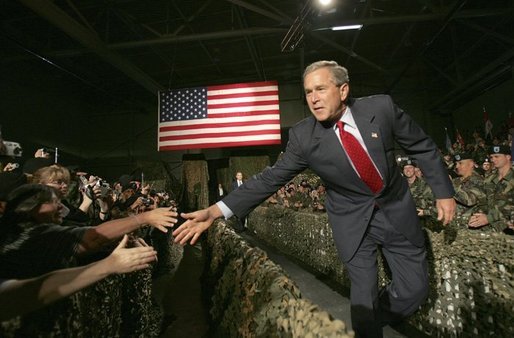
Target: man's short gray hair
339 73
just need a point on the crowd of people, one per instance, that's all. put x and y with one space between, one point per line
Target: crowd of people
302 196
483 179
97 229
57 224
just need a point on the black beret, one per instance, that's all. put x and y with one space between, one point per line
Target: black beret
462 156
505 150
409 162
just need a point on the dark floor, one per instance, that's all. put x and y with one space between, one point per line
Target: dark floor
181 297
181 293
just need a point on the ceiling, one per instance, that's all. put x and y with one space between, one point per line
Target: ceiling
120 53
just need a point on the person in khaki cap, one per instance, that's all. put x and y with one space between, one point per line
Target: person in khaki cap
499 188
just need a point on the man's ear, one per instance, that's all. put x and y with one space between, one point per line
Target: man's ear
344 91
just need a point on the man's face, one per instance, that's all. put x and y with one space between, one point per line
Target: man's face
486 166
500 160
464 168
49 212
325 99
239 176
408 171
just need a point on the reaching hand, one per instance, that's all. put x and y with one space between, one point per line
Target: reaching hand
123 260
445 209
197 222
160 218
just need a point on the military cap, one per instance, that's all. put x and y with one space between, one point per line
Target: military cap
486 160
462 156
505 150
409 162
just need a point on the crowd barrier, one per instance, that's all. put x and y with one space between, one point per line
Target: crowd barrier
471 282
250 296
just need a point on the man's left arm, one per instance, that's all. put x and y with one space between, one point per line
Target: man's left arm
416 143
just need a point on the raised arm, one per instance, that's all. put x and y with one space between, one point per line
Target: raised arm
18 297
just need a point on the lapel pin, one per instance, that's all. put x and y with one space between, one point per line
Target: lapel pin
374 135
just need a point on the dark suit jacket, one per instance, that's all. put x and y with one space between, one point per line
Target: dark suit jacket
235 186
350 202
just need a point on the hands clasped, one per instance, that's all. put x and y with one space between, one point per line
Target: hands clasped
196 223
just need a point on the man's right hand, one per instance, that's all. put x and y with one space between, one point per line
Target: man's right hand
196 223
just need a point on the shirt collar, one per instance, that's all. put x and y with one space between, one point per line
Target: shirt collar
347 119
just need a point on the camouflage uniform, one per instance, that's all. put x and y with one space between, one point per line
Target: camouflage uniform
422 195
500 199
470 197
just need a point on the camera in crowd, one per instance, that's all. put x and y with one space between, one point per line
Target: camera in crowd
12 149
146 201
88 187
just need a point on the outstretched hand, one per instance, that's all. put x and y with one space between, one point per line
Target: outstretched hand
123 260
196 223
160 218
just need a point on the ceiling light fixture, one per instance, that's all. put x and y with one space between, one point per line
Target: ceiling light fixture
325 2
347 27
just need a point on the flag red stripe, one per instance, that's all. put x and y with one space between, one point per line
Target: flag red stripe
230 134
236 95
220 145
218 125
242 85
240 104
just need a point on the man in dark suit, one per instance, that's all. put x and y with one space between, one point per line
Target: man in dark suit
238 181
239 225
350 144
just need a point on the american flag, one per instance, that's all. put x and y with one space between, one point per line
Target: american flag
235 115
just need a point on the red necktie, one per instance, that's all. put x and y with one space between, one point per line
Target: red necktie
360 160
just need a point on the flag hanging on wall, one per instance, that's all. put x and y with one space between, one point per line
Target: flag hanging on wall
234 115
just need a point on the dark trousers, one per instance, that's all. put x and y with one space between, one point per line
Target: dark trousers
371 309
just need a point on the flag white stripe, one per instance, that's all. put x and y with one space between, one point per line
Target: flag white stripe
242 109
243 99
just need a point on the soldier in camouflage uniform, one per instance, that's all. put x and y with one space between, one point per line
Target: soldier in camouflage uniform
487 167
469 189
500 193
419 189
